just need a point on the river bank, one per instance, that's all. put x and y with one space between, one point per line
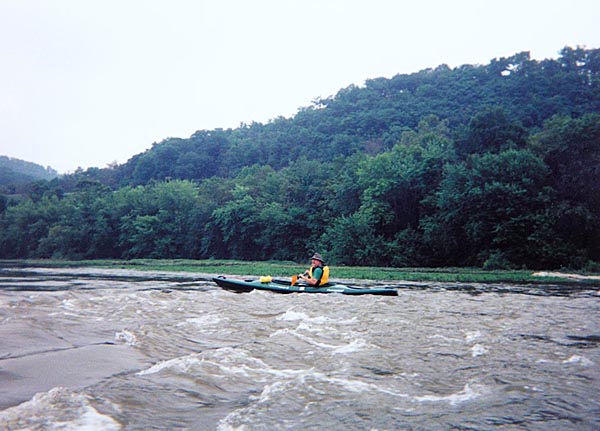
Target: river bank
286 269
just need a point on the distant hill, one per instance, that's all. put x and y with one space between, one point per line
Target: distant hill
16 172
371 118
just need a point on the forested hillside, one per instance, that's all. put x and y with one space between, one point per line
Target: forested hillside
373 117
493 165
15 173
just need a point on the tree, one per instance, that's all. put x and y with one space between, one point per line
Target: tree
487 207
393 186
571 148
491 131
23 226
161 221
352 240
571 226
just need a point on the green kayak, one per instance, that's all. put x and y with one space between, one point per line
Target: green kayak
283 286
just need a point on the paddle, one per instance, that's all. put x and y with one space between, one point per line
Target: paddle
296 277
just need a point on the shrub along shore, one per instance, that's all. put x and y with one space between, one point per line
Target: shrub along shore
288 268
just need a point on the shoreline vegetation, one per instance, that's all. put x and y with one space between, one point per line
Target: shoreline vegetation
288 268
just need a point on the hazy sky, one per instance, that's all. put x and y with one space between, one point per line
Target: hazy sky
89 82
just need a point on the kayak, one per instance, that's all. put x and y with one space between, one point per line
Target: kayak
283 286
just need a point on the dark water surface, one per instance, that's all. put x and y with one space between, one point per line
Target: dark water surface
105 349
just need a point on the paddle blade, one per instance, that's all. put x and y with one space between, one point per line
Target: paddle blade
294 279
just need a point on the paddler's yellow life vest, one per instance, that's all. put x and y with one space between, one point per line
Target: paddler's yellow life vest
324 277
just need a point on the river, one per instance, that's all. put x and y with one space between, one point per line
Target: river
100 349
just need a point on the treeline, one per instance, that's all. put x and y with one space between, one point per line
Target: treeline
499 197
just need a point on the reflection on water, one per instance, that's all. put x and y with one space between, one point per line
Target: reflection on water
122 350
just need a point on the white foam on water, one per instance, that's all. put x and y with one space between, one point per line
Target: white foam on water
69 304
471 336
292 315
577 359
443 338
58 409
308 327
280 332
182 364
235 356
293 379
466 394
478 350
297 382
285 373
358 386
228 360
202 321
63 313
354 346
298 334
127 337
90 420
573 360
223 426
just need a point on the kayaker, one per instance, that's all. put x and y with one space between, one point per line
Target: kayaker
318 273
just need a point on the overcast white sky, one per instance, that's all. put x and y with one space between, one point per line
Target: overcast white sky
88 82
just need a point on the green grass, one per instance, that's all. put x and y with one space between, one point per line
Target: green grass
286 269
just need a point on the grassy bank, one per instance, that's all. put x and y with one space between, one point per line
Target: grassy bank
286 269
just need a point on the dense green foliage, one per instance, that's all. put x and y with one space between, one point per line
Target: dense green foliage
494 166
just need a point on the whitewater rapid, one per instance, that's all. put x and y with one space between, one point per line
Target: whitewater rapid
118 350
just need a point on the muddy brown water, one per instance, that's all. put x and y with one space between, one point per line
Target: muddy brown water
86 349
